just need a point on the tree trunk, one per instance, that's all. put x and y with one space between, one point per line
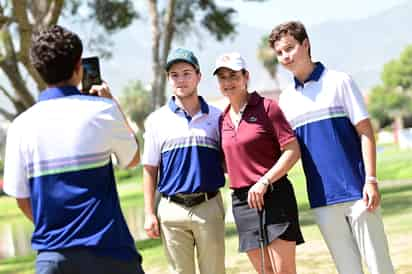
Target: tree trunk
168 33
154 15
43 14
9 65
397 127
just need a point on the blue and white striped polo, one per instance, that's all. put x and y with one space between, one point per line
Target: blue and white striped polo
186 149
323 112
58 154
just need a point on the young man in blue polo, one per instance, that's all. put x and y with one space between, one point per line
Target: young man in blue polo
182 159
58 166
327 112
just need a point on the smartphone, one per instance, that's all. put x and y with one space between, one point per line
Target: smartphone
91 73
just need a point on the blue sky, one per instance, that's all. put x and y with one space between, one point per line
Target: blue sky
310 12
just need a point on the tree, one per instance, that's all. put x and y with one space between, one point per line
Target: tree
398 72
393 98
135 101
14 53
268 58
388 104
19 19
170 20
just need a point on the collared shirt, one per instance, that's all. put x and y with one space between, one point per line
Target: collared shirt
314 76
186 149
323 113
58 154
256 145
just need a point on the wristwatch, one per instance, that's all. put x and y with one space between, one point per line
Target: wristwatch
371 179
264 181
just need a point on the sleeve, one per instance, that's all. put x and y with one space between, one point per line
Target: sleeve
151 151
15 174
353 101
282 129
124 144
220 127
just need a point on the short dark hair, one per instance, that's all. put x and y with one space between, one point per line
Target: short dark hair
294 28
54 53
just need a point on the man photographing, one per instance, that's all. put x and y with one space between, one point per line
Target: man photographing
58 166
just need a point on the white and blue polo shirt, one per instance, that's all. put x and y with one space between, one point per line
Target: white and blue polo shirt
323 112
186 149
58 154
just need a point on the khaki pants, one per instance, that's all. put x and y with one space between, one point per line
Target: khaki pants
352 233
184 228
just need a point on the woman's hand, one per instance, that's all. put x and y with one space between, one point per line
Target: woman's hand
256 194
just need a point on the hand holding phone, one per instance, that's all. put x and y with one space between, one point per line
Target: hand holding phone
91 73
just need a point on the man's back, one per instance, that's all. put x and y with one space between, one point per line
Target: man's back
64 166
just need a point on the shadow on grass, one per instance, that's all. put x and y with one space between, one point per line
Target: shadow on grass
136 198
18 260
17 264
148 244
396 200
230 230
388 189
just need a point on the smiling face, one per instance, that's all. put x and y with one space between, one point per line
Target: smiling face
232 83
183 79
294 56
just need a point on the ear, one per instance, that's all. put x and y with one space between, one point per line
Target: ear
247 75
78 65
306 44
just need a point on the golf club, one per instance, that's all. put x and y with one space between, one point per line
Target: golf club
261 241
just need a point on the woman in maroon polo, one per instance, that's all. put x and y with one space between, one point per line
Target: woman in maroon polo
259 148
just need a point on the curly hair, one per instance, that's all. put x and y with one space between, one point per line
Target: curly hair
54 53
294 28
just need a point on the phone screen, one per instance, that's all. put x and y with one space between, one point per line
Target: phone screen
91 73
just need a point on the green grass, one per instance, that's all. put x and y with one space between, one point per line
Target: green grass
312 257
397 214
394 163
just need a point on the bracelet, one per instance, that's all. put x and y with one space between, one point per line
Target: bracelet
264 181
371 179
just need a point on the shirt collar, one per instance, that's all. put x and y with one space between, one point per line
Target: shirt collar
314 76
58 92
253 100
204 108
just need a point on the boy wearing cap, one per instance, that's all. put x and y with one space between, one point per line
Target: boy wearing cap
182 158
327 112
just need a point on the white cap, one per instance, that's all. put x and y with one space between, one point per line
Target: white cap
231 60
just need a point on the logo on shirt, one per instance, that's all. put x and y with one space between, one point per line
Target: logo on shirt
252 119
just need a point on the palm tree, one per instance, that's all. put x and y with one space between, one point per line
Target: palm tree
267 56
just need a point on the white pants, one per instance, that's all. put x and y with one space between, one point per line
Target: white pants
352 233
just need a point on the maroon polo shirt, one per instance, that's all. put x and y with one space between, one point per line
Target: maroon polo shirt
252 149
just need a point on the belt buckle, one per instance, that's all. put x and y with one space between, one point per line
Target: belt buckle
189 202
192 200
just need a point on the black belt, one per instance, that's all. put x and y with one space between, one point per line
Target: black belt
191 199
